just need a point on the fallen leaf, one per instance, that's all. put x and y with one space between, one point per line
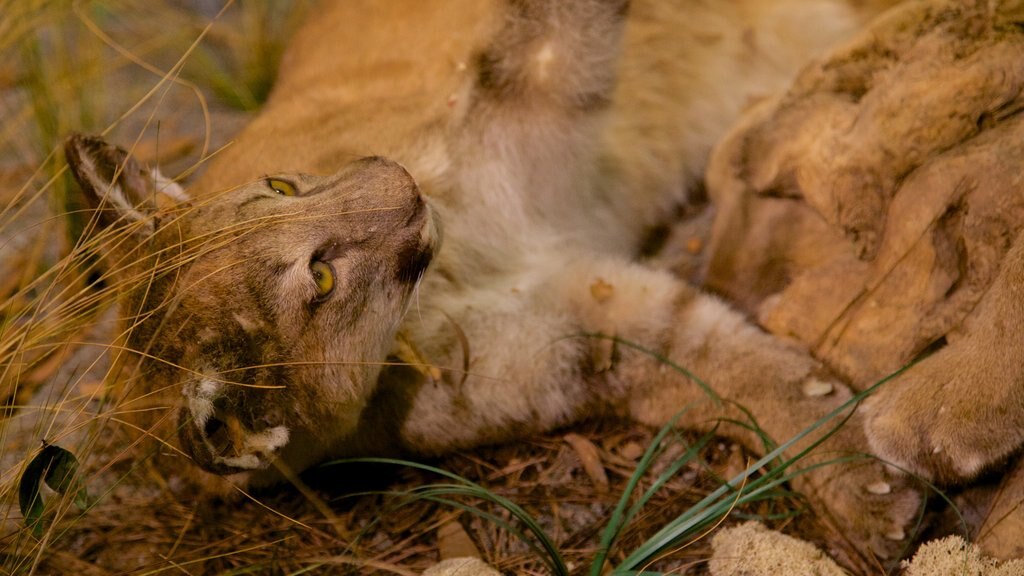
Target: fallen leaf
591 460
454 542
408 353
59 469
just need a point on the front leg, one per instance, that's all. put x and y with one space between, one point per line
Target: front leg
525 365
782 386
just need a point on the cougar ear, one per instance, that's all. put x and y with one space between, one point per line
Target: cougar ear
113 183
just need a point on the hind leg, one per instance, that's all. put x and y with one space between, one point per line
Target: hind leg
525 148
961 410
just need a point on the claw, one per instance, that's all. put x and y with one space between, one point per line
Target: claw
896 535
815 388
879 488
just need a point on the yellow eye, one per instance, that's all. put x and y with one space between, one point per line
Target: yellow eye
281 187
323 278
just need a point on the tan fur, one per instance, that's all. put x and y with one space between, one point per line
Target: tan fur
957 412
876 233
544 177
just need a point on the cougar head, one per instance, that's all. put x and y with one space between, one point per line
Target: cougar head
267 309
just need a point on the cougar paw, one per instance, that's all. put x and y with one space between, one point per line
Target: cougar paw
867 507
922 425
960 410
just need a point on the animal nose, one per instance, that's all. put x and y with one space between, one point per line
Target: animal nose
220 441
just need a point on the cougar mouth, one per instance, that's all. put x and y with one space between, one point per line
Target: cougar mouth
223 445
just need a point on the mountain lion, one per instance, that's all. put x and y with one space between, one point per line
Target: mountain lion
427 241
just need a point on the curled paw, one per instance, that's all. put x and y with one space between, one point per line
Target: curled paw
867 508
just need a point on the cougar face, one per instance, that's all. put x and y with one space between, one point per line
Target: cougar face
283 329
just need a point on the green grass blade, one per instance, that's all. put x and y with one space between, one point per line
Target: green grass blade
710 506
557 563
500 522
670 472
618 517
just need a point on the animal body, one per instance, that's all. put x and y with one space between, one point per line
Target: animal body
427 241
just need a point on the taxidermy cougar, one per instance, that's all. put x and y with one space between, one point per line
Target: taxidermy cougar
303 303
